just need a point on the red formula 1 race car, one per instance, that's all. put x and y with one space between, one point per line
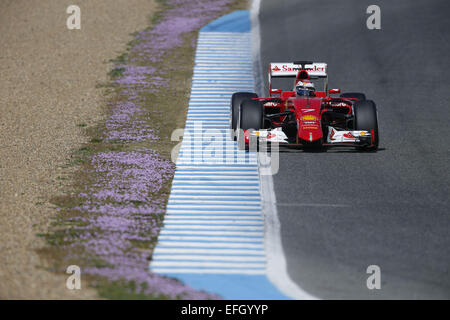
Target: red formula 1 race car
304 116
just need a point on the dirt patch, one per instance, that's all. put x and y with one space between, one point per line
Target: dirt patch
48 95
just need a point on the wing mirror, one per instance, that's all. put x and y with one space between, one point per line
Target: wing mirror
331 91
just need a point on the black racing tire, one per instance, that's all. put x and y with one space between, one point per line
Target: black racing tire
365 113
236 100
358 95
251 116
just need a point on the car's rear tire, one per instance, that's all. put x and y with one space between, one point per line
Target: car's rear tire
358 95
236 100
365 113
250 116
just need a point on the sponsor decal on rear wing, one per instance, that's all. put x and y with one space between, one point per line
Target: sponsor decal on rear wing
291 69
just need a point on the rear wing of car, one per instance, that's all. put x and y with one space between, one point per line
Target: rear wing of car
291 69
315 70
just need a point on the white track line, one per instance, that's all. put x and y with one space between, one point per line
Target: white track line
209 216
212 233
215 227
224 239
158 263
257 252
166 257
208 271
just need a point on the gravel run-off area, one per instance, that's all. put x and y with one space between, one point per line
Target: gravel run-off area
48 85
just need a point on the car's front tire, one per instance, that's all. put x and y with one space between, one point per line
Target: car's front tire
366 118
251 116
236 100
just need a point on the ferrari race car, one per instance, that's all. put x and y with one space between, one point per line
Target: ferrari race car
303 116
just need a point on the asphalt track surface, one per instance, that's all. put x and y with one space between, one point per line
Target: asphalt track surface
342 211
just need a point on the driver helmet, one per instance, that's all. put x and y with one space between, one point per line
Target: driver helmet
305 88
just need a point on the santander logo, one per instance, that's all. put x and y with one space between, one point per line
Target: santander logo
291 68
